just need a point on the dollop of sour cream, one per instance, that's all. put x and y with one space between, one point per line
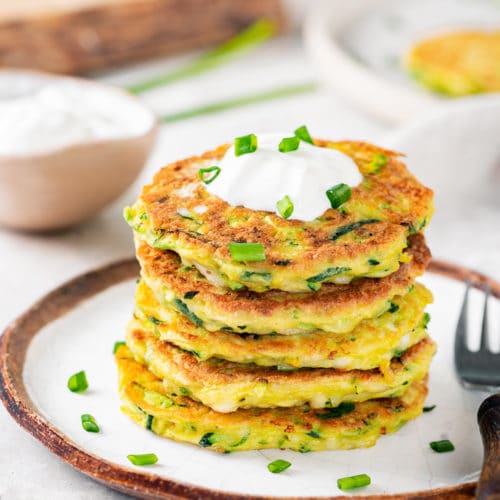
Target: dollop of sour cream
259 180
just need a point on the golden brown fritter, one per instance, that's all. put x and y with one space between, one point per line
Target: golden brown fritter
333 308
226 386
175 416
457 63
366 237
372 344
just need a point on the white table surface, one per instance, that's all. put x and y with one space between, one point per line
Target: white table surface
31 265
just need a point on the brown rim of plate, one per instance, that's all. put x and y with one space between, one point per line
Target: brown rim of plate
13 347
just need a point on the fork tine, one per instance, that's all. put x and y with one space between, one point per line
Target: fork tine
461 333
485 344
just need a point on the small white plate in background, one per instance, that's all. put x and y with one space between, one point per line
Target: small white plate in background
357 47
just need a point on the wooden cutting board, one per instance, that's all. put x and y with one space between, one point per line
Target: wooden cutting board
78 36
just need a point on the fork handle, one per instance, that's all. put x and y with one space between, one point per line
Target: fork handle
488 417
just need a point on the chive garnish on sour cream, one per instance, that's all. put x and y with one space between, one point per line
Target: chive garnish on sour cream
285 207
339 194
145 459
213 172
247 252
278 466
78 382
303 134
245 144
288 144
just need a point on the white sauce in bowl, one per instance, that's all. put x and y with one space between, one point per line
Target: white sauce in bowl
259 180
39 114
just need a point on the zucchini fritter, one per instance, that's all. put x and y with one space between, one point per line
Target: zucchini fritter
366 238
457 64
225 386
333 308
372 344
172 415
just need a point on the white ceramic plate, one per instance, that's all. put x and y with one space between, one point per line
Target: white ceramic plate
75 328
357 47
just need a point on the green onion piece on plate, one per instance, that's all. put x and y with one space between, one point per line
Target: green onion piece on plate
117 345
285 207
303 134
278 466
338 195
214 171
146 459
78 382
89 423
442 446
428 408
245 144
358 481
288 144
247 252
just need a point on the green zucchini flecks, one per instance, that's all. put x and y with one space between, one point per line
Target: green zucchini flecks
184 309
341 231
327 273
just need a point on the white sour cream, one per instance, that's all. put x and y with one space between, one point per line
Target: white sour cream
259 180
40 114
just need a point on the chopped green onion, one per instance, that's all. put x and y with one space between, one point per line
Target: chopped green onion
303 134
78 382
288 144
285 207
237 102
442 446
338 195
89 423
146 459
247 252
118 345
245 144
208 170
373 262
379 160
348 483
278 466
246 40
429 408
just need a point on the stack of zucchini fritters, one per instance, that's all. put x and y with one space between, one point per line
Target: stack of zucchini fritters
321 344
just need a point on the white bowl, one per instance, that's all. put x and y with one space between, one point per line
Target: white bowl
356 47
60 187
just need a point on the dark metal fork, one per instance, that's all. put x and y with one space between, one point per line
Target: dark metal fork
481 370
